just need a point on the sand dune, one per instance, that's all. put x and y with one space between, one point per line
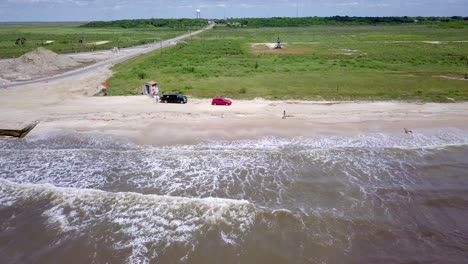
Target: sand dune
38 63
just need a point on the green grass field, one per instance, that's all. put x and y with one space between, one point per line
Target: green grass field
66 37
323 62
320 62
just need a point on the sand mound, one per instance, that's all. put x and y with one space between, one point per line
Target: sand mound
36 64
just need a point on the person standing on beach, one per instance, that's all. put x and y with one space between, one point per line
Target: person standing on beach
155 92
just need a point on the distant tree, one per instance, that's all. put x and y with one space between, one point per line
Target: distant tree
181 23
185 23
335 20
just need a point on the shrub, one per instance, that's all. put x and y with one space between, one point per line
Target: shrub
181 44
142 75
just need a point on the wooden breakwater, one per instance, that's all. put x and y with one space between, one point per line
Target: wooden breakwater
19 133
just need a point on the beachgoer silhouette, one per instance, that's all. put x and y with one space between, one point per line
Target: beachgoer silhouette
155 92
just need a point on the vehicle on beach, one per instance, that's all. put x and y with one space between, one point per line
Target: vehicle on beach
221 101
174 98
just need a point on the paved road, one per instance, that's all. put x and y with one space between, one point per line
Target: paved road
132 53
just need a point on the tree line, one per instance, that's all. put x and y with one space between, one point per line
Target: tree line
182 23
335 20
186 23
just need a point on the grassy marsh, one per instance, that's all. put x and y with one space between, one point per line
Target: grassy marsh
66 37
322 62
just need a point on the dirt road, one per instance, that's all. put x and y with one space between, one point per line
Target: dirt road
106 61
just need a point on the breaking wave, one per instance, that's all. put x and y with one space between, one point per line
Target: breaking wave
372 198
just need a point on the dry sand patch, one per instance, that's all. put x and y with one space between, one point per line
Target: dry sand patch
269 48
69 105
268 45
451 77
36 64
97 43
351 52
433 42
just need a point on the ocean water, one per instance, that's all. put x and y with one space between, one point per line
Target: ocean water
375 198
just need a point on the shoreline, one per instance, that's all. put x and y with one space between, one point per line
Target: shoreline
141 120
69 106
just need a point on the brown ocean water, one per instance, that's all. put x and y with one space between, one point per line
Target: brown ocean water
376 198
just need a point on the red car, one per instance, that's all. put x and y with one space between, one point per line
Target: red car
221 101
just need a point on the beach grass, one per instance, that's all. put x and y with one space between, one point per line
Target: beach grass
410 62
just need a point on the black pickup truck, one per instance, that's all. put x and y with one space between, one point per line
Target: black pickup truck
174 98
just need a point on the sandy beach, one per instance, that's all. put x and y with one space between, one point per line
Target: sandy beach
71 106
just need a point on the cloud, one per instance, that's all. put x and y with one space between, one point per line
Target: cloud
343 4
245 5
27 3
378 5
119 4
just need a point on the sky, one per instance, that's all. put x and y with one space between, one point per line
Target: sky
92 10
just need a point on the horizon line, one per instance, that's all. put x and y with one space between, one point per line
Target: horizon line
87 21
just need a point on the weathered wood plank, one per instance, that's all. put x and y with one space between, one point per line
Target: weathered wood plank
21 133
